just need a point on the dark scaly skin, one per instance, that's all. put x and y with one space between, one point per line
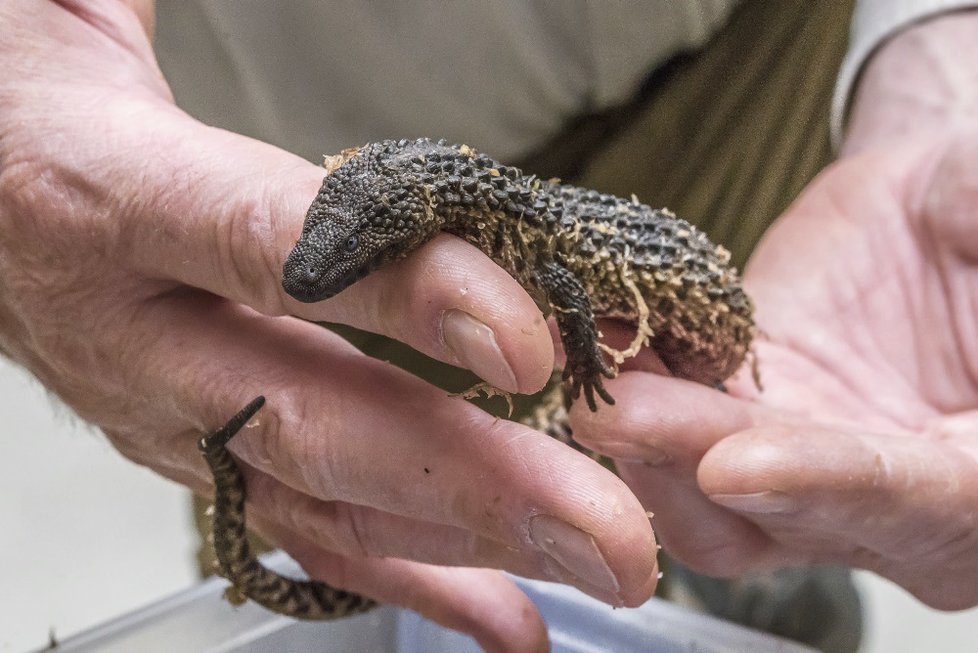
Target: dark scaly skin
573 249
249 578
580 254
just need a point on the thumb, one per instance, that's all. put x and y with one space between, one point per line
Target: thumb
892 503
222 211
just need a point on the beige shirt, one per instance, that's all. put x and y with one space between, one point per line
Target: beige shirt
314 77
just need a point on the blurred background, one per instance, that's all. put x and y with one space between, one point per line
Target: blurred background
87 536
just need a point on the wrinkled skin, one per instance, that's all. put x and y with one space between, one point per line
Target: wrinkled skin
863 447
140 266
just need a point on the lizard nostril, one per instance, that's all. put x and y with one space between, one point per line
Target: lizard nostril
311 274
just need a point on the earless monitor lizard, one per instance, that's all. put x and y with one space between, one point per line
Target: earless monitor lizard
579 253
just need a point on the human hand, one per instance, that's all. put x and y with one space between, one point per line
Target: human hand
862 449
140 263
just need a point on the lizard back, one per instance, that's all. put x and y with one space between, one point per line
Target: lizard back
388 198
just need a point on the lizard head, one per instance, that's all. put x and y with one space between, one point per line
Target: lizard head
350 230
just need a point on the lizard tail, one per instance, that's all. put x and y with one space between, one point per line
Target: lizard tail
250 579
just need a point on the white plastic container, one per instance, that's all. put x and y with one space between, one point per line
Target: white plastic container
199 619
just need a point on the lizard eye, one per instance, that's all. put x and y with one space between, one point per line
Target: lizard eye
352 242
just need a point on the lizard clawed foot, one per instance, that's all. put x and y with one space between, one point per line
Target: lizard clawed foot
586 375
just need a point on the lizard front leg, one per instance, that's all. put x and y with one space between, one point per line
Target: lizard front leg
585 363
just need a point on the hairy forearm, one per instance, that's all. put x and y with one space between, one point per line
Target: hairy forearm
923 80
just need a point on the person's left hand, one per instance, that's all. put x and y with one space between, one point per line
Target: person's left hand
141 257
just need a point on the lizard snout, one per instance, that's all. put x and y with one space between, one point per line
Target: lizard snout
302 277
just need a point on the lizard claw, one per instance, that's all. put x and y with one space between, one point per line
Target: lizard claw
587 375
608 399
596 386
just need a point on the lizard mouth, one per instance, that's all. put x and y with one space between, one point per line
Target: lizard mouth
309 281
302 292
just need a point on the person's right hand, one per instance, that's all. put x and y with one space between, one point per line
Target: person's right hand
862 449
140 263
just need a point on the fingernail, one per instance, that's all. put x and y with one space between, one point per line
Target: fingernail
768 501
632 452
474 346
574 551
655 457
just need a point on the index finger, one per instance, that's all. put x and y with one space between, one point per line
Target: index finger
341 426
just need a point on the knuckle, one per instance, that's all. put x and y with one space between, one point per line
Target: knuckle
351 530
279 445
251 268
954 540
306 448
335 526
